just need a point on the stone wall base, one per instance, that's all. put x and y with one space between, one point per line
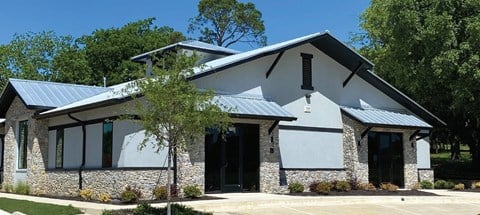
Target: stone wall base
307 177
65 182
425 174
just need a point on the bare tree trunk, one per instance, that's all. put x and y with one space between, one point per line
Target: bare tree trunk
169 181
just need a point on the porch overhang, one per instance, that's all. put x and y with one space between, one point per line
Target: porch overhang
252 107
385 119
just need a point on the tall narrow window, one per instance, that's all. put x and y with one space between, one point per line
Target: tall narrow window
107 144
307 71
22 144
59 149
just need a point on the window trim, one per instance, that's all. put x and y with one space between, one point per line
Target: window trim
107 163
22 155
62 136
306 73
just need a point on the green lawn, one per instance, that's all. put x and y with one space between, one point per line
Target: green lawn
34 208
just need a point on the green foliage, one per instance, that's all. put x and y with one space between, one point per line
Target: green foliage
296 187
459 186
104 197
426 184
8 188
430 46
225 22
440 184
192 191
161 192
128 196
366 186
108 51
28 207
324 188
22 187
449 185
476 185
343 186
147 209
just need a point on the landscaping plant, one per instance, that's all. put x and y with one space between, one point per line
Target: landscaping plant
342 186
22 187
440 184
426 184
459 186
104 197
86 194
324 188
192 191
296 187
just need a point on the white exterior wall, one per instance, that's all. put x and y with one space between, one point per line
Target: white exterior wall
423 153
127 135
126 138
319 149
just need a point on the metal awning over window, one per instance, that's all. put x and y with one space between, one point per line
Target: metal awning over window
383 118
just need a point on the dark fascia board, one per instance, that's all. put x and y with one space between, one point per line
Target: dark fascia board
105 103
141 58
251 116
401 98
383 125
6 99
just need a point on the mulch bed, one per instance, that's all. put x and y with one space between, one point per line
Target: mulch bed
368 193
119 202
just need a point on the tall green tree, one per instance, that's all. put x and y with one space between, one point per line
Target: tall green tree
173 111
226 22
430 49
33 56
108 51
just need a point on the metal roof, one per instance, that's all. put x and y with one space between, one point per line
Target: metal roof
321 40
240 105
189 44
44 95
252 106
384 118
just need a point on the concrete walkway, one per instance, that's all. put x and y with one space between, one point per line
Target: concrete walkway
260 203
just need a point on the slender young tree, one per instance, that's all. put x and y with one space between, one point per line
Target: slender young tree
226 22
173 111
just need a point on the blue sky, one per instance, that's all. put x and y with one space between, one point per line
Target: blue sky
284 19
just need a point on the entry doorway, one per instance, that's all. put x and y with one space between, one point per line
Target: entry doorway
385 158
232 159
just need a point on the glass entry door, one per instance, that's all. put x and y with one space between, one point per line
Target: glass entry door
232 159
385 158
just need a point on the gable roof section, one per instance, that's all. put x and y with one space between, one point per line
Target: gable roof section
323 41
335 49
375 117
44 95
189 44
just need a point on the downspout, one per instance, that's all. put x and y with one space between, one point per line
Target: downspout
84 144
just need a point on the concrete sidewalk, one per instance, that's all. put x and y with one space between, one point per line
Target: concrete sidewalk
449 202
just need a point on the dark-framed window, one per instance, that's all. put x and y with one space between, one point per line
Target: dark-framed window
59 149
22 144
306 71
107 144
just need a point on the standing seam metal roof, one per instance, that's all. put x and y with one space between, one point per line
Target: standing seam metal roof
385 118
50 94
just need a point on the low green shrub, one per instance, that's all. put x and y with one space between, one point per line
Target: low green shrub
459 186
128 196
324 187
449 185
296 187
86 194
22 187
192 191
147 209
426 184
366 186
342 186
440 184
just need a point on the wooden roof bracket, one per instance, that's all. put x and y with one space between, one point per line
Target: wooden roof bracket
359 67
274 64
